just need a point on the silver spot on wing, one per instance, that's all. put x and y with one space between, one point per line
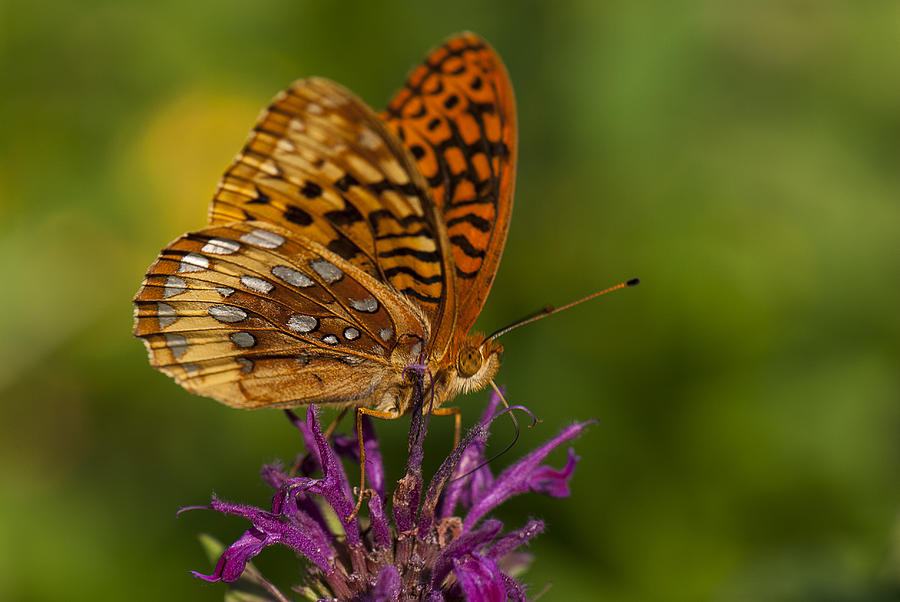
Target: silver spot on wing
166 315
244 340
177 344
221 246
227 313
193 262
329 272
257 284
368 305
301 323
263 238
174 286
292 276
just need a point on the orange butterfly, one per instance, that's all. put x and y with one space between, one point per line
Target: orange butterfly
344 246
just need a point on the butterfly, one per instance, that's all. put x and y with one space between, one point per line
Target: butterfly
345 246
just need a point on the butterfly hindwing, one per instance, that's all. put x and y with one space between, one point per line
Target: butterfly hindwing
248 315
457 116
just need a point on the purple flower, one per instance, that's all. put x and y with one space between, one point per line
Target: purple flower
428 551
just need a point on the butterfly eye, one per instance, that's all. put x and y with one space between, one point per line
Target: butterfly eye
469 361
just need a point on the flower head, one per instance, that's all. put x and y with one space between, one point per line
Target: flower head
428 551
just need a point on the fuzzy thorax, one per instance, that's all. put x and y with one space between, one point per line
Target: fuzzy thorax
471 368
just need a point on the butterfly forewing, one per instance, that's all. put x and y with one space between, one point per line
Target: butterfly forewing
457 116
248 315
323 165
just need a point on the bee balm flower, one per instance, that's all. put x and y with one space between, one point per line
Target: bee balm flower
437 544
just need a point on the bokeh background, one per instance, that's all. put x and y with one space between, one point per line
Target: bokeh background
742 158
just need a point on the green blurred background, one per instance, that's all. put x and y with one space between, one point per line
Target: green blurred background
740 157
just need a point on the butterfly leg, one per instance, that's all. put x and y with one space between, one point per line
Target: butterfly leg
360 412
457 421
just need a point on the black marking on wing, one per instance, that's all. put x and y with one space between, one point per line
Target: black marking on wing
463 243
296 215
345 182
376 217
422 232
402 269
417 295
344 247
408 189
261 198
433 68
311 190
474 220
345 217
431 256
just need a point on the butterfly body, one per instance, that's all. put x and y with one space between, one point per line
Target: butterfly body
344 247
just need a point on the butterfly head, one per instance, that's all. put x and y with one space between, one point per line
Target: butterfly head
477 362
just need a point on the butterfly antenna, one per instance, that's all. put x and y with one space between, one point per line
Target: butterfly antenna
549 310
510 445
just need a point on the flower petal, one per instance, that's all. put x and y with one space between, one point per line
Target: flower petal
268 529
468 489
299 506
387 585
333 485
480 578
232 562
514 589
479 432
518 478
465 544
378 521
555 482
313 460
514 539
